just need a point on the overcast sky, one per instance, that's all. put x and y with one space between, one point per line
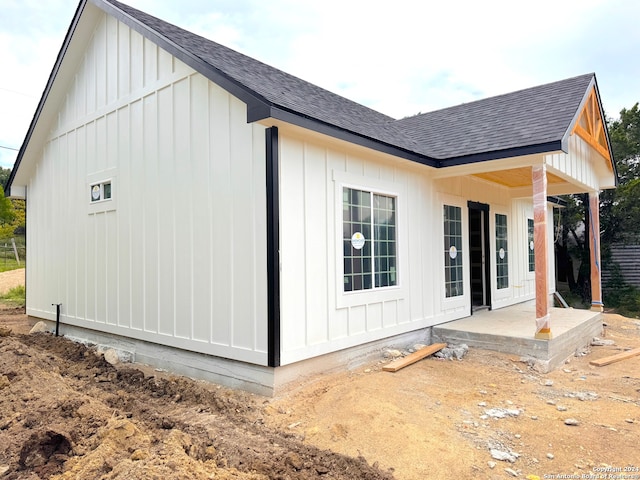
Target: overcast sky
400 57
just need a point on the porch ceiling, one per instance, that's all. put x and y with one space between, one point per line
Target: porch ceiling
516 177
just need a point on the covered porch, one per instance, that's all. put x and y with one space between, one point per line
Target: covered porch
512 330
581 162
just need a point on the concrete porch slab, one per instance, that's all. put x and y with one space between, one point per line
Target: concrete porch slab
512 329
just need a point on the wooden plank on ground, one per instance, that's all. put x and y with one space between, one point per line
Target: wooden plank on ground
414 357
615 358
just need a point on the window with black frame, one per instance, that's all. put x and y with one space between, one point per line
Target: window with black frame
532 253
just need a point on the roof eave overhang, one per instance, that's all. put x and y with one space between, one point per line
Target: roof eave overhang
540 148
256 114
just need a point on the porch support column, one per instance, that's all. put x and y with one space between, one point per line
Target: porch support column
594 243
543 324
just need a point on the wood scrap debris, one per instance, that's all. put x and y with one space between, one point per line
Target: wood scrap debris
414 357
615 358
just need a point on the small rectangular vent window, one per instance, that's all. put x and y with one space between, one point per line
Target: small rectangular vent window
100 191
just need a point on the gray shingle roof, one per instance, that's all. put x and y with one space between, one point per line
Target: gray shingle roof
276 87
533 116
534 119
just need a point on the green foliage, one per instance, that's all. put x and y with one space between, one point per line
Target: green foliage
15 296
620 295
624 134
619 209
7 215
574 246
619 213
626 209
19 223
12 211
4 176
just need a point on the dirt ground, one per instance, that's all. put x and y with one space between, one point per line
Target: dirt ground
11 279
65 413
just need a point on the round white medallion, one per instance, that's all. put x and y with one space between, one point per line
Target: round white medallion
357 240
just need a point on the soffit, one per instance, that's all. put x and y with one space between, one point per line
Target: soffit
516 177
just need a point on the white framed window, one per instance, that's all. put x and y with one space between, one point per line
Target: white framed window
369 240
530 245
99 192
502 252
453 251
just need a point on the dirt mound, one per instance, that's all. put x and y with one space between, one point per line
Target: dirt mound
67 414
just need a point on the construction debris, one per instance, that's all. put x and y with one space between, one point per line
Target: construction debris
413 358
451 351
615 358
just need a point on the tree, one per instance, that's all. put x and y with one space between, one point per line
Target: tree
575 245
619 208
7 216
4 176
620 214
12 217
19 223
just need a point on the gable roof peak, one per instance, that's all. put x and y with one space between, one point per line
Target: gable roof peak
535 118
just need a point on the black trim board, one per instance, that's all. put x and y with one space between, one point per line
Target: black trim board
554 146
478 205
343 134
273 248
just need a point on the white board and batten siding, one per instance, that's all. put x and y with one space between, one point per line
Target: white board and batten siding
178 255
521 285
317 317
583 165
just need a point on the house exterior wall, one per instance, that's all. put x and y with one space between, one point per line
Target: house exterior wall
178 254
317 316
579 164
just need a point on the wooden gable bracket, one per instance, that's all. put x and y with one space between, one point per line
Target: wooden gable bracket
590 126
